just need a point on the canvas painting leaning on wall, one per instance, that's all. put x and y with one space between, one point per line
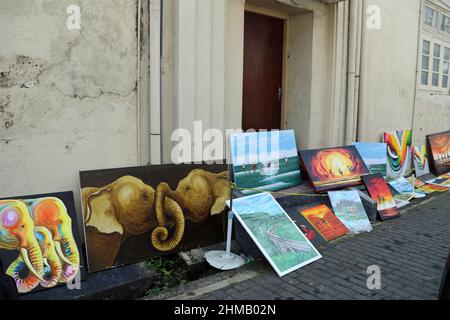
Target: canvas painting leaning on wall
134 214
39 242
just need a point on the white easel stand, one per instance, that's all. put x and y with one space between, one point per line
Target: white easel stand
225 260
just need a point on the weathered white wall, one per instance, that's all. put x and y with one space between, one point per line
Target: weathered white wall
388 72
432 108
202 66
299 76
67 98
432 115
310 85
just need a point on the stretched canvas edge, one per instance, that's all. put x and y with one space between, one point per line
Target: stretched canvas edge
263 250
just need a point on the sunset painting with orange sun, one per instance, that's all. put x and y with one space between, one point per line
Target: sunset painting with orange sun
335 168
380 192
439 147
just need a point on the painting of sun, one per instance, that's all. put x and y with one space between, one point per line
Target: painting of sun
380 192
439 150
335 168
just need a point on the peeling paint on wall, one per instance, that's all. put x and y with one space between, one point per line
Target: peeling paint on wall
6 116
67 97
23 72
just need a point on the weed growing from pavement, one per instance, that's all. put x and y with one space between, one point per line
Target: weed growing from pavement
171 271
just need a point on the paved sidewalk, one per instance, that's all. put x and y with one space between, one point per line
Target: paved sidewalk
411 252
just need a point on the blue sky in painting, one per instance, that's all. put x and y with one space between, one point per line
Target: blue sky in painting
344 195
372 153
254 147
262 202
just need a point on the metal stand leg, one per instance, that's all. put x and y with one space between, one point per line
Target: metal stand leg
225 260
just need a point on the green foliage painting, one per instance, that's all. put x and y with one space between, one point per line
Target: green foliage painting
276 235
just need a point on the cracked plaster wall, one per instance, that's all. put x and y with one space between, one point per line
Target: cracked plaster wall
67 98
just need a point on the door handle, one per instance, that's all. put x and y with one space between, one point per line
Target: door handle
280 93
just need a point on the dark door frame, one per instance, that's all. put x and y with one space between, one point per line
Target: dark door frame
286 36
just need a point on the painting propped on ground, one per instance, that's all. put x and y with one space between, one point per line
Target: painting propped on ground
439 151
134 214
308 229
420 158
325 221
276 235
431 188
374 156
39 243
265 160
380 192
440 182
331 169
402 186
399 153
348 207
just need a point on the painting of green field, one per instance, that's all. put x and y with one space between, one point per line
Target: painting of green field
276 235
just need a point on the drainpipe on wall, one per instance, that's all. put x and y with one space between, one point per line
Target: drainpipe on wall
351 72
155 80
418 70
362 112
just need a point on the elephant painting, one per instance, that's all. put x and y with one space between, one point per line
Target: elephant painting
37 241
136 216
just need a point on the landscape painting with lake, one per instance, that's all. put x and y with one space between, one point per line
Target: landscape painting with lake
265 161
374 156
276 235
349 209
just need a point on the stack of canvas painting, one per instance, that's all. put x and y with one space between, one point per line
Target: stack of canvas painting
331 169
421 163
374 156
379 191
349 209
324 220
399 145
39 242
439 151
431 188
440 182
265 161
276 235
135 214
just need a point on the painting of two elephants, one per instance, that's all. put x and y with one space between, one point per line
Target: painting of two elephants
135 214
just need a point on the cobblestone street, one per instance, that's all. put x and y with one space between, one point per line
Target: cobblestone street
410 251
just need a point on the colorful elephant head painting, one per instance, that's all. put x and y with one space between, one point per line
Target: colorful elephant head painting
37 242
399 153
134 214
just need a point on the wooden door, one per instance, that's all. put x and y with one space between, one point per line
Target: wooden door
263 72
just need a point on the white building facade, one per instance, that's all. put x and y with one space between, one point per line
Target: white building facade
111 93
